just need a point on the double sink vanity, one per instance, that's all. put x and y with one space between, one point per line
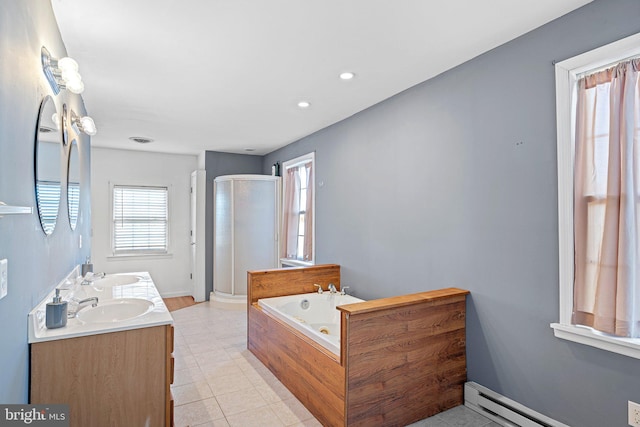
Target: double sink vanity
112 363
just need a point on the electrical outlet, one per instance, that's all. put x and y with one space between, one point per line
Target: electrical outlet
3 278
634 414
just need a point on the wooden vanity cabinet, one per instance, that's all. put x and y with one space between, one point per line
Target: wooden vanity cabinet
118 378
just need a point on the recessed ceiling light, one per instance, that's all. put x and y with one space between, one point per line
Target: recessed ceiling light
304 104
249 149
347 75
141 139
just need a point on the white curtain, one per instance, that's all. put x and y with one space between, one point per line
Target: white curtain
606 196
291 213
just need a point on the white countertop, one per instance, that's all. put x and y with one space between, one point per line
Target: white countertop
144 289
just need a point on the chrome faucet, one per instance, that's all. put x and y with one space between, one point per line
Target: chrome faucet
92 300
332 288
319 288
90 277
343 290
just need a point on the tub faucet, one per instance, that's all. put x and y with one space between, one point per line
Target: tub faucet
319 288
332 288
343 290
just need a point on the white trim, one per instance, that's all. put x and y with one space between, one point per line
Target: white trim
170 197
14 210
294 263
136 257
588 336
502 410
290 164
567 74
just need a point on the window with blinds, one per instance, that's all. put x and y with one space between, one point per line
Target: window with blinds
48 194
140 220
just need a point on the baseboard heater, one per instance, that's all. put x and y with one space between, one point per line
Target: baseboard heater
502 410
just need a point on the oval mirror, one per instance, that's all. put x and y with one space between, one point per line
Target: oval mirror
73 184
47 164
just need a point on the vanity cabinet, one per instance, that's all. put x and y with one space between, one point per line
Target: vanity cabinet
110 379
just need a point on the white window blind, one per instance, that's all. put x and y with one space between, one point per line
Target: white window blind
140 220
48 194
73 196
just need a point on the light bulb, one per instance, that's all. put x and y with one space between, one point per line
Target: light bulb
347 75
75 86
88 126
67 64
54 119
304 104
70 75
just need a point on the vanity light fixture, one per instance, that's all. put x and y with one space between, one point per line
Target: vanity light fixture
61 73
83 124
347 75
304 104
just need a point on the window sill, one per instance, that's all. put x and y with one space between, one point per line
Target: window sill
295 263
132 257
587 336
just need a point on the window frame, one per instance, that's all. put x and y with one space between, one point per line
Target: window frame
567 74
300 160
139 254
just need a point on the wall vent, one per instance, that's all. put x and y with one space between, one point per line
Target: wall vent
502 410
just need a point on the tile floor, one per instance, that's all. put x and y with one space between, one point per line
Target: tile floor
218 382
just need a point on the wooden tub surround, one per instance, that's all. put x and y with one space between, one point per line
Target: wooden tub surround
402 359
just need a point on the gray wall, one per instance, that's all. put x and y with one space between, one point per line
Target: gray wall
36 262
217 164
453 183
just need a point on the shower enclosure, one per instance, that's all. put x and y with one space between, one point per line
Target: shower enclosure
246 226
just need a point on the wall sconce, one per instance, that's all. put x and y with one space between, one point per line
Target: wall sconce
61 73
83 124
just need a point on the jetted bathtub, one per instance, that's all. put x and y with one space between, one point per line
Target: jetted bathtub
313 314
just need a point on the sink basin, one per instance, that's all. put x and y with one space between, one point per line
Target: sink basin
116 310
117 280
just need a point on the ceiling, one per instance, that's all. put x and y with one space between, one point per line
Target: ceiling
227 75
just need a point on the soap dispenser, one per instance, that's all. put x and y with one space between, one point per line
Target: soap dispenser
56 312
87 267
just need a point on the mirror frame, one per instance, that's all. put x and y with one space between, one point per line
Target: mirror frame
73 203
48 224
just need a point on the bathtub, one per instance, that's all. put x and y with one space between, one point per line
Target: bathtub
312 314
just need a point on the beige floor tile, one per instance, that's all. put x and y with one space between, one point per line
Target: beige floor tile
187 376
228 383
260 417
222 422
220 369
193 392
237 352
212 356
291 411
199 412
310 423
184 361
273 392
240 401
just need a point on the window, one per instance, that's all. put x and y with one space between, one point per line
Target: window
587 188
140 220
298 210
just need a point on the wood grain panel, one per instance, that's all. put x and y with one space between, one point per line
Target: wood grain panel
314 377
425 298
108 379
290 281
405 357
170 369
402 358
